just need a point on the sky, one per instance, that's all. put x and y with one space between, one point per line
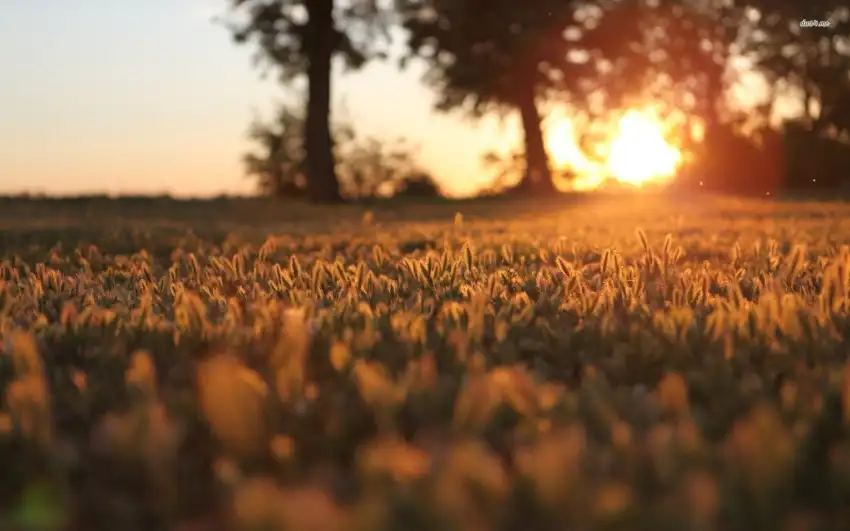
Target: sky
130 97
122 96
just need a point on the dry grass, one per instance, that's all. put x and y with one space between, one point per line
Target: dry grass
634 362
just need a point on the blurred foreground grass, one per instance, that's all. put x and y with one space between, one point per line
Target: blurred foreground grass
644 362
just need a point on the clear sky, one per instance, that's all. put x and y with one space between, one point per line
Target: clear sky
123 96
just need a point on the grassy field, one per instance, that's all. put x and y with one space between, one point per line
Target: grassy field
619 363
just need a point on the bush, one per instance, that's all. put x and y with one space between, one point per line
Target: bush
367 167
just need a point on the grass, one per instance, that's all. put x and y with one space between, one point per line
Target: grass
620 362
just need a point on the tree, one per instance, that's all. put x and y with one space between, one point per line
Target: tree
813 65
662 50
370 167
813 60
279 166
367 166
299 38
509 168
486 55
683 53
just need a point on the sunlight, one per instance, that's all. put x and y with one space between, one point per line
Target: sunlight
639 152
565 153
563 149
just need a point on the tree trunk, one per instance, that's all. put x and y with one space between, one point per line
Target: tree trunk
538 173
322 181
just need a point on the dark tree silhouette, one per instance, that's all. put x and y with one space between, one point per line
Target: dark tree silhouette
498 55
367 167
814 62
279 163
299 38
681 53
371 167
672 51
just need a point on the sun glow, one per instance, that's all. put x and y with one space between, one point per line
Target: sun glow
639 153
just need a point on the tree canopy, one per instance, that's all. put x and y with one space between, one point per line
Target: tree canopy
499 55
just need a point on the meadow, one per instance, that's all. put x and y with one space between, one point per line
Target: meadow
620 363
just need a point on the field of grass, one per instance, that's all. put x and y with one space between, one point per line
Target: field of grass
621 363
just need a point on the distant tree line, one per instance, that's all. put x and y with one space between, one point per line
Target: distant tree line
596 57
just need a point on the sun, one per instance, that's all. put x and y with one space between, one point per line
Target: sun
635 151
639 153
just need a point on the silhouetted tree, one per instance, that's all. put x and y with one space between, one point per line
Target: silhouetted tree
682 53
370 167
677 52
279 164
814 63
367 167
510 168
813 60
299 38
486 55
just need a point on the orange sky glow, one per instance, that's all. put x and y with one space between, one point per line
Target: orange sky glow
118 97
